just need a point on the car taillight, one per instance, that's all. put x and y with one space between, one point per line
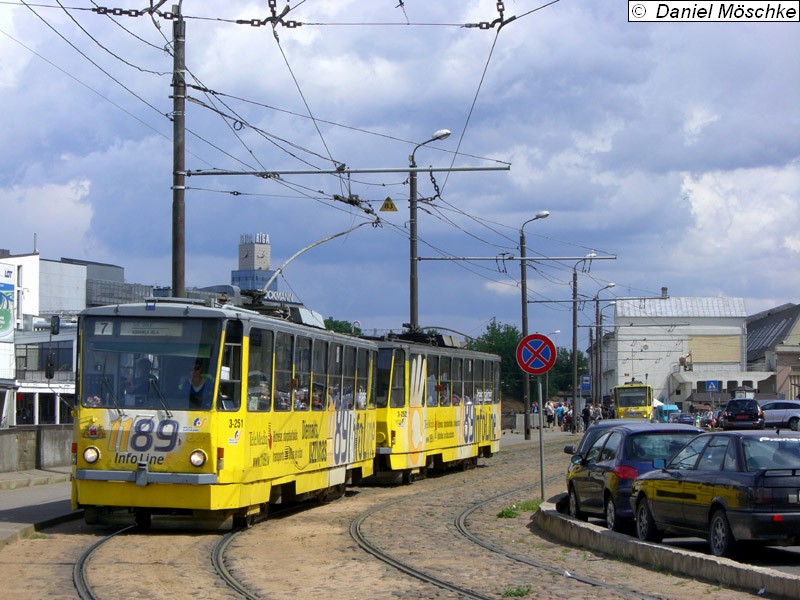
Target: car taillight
763 496
624 472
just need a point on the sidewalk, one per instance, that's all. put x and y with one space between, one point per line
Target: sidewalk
33 499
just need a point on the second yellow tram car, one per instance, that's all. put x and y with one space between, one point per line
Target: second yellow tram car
438 404
216 411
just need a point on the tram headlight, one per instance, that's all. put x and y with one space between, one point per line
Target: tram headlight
198 458
91 455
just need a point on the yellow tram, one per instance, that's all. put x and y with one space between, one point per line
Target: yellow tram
438 405
216 411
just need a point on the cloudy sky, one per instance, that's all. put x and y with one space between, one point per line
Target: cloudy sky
670 151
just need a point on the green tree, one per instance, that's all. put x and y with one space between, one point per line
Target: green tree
561 373
341 326
502 339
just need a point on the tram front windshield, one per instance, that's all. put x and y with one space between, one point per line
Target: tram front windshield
134 362
631 398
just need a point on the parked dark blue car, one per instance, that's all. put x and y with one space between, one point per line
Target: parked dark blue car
599 482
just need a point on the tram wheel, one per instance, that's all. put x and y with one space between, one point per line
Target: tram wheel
92 515
243 522
143 519
333 493
406 476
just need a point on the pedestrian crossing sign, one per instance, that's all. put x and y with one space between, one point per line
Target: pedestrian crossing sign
388 206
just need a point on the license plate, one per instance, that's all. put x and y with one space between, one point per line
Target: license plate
742 417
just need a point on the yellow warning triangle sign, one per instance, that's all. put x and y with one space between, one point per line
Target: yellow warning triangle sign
388 206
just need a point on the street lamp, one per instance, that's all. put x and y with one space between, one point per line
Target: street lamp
547 375
442 134
523 268
589 257
597 392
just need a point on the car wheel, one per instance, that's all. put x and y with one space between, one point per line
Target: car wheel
720 536
612 521
793 423
574 507
645 525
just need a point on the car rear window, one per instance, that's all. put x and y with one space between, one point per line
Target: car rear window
771 452
652 445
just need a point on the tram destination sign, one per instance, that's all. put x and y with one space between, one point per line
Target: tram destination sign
536 354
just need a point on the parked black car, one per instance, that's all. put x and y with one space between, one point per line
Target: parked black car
727 486
742 413
599 482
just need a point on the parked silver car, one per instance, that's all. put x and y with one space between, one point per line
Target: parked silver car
781 413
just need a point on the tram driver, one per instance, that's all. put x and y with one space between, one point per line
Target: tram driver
199 386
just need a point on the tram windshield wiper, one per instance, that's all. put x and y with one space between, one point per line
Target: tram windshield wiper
105 383
153 382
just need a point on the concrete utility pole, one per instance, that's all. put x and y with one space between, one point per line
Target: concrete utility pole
179 155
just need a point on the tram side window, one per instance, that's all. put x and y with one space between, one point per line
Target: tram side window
362 378
390 385
398 397
480 382
259 378
383 377
282 400
373 366
495 383
349 377
319 375
231 373
431 381
301 382
445 381
335 376
458 381
469 380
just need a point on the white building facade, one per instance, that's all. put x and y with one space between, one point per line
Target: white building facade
691 350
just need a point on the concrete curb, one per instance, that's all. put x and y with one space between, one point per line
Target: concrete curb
23 479
674 560
28 530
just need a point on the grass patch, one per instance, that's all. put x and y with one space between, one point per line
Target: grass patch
36 536
511 512
517 592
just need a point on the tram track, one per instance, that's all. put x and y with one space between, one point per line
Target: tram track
459 523
79 579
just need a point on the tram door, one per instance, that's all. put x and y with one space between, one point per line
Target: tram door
231 431
418 380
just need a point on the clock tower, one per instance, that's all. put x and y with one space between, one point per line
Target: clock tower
254 253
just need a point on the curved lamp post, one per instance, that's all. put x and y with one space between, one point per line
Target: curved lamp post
413 324
523 268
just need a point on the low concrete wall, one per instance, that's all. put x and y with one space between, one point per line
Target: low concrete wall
675 560
43 447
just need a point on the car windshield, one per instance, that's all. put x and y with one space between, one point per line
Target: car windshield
771 452
652 445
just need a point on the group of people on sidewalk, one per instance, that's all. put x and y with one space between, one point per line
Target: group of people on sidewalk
560 414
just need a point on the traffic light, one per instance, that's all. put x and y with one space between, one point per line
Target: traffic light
50 366
55 324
